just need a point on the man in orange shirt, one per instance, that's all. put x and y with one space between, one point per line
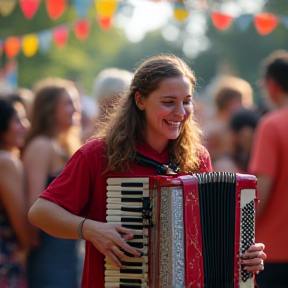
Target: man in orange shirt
269 161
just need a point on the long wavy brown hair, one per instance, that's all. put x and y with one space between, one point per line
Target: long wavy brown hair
126 125
43 121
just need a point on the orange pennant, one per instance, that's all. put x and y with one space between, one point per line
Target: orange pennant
60 35
55 8
221 21
265 23
29 7
12 46
81 29
105 22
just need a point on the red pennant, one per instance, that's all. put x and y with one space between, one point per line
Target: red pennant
105 22
265 23
55 8
60 35
12 46
221 21
29 7
81 29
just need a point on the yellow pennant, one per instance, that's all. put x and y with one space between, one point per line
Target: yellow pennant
30 45
180 14
106 8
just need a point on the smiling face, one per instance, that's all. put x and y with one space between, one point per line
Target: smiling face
166 109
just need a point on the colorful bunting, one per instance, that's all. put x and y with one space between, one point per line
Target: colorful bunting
105 22
7 7
60 35
221 21
29 7
30 45
45 40
12 46
81 29
55 8
82 7
265 23
243 21
106 8
180 14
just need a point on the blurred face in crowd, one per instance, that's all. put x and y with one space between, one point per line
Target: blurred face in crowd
14 136
166 110
65 111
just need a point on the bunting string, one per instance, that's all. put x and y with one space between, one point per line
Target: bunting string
105 10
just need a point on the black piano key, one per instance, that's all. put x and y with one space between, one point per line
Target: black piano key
132 209
129 286
131 219
131 271
136 245
133 264
131 184
131 199
131 281
136 236
129 254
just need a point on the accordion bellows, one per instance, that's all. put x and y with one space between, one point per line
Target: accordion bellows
191 230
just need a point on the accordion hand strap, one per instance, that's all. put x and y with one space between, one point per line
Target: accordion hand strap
161 168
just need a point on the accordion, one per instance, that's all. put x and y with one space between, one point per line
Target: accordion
190 229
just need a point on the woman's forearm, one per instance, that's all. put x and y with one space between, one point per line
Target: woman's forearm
54 219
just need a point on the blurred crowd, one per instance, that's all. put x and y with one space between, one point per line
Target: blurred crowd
41 128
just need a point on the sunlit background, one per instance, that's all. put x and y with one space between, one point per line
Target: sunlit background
77 39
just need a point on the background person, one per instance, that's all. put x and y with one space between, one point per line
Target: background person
52 262
269 162
14 226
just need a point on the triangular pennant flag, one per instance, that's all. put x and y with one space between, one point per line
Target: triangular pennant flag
243 21
45 39
284 20
82 7
29 7
105 22
12 46
106 8
30 45
81 29
6 7
180 13
221 21
60 35
265 23
55 8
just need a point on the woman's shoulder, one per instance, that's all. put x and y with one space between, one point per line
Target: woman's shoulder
9 163
40 145
93 145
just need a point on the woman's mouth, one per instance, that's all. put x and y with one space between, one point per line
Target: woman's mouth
174 124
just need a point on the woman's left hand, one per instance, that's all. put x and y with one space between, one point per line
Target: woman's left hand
253 258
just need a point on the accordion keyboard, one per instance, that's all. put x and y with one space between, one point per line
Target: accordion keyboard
126 201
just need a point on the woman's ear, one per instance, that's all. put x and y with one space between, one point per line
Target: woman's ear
139 100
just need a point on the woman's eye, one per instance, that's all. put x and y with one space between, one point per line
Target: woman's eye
167 102
188 102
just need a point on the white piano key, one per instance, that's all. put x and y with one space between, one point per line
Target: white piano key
116 218
123 213
111 181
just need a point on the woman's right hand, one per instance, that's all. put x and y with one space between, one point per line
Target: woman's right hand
109 239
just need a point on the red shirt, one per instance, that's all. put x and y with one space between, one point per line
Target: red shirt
81 189
270 157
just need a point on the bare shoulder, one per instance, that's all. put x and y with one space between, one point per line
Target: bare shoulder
40 145
9 163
